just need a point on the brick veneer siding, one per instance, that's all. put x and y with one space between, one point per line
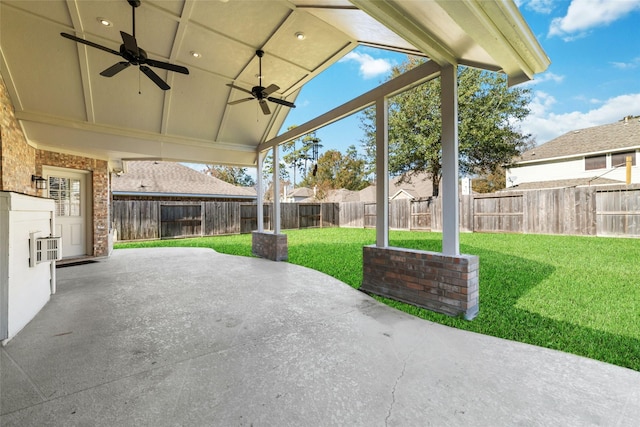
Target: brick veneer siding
100 191
17 157
437 282
270 246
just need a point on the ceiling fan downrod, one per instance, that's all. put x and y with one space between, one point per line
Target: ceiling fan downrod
134 4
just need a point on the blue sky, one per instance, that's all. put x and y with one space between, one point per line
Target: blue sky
594 77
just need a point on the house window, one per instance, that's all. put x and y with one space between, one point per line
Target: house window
595 162
620 159
66 194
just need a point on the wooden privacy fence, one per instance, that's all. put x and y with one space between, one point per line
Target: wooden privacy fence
588 211
153 219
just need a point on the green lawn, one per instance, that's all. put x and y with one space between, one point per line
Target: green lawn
575 294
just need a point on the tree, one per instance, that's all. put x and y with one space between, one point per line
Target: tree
336 170
232 175
490 183
487 125
298 158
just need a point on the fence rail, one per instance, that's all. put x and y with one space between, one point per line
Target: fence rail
588 211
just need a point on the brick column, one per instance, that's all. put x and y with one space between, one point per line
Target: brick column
270 246
441 283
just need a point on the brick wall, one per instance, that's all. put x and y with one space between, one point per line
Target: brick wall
100 188
270 246
437 282
17 157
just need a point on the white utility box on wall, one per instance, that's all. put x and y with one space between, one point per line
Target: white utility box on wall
26 281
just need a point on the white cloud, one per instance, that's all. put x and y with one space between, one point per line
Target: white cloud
545 125
545 77
370 67
541 6
584 15
634 63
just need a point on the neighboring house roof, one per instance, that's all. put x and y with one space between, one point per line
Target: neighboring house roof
405 194
605 138
302 192
154 178
417 185
367 194
414 187
562 183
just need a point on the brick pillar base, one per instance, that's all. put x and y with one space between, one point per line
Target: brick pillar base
437 282
270 246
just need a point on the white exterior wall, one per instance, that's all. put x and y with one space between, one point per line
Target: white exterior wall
568 169
24 290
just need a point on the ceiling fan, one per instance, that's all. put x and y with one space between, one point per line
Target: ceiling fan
132 54
260 92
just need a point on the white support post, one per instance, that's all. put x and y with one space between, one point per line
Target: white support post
260 191
450 197
382 173
276 189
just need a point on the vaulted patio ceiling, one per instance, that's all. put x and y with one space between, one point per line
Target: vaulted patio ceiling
64 105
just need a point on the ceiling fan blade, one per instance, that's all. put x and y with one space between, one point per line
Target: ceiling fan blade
240 88
167 66
115 69
239 101
88 43
154 77
270 89
282 102
265 107
130 43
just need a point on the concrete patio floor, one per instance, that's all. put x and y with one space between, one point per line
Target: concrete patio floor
190 337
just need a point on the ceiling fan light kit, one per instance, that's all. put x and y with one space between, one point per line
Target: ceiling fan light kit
132 54
260 92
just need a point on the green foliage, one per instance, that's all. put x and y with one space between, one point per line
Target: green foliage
574 294
336 170
232 175
491 182
488 113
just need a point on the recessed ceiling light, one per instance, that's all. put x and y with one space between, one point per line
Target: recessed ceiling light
104 22
300 35
195 54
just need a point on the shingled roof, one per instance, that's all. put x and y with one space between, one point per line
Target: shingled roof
153 178
599 139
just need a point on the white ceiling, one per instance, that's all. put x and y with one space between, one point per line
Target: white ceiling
65 105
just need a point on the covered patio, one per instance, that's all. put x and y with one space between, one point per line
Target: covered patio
187 336
80 114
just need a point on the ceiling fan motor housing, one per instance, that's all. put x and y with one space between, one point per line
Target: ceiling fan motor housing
135 58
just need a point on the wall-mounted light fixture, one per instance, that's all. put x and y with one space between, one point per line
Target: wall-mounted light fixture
41 183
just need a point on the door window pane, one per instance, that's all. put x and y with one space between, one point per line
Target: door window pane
66 194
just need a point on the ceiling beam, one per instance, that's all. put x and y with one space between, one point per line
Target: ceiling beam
83 60
187 10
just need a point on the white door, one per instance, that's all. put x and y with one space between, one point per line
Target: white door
69 190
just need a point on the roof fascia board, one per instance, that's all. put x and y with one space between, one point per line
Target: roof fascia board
387 13
500 29
427 71
578 156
